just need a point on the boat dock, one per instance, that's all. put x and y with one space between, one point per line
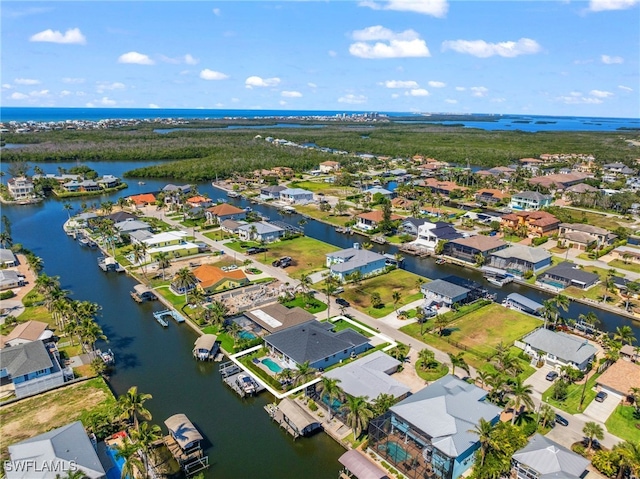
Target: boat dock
184 444
231 373
161 316
107 263
292 417
414 250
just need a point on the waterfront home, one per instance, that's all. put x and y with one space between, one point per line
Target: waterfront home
260 231
377 190
223 212
558 349
530 200
212 279
27 332
172 242
315 343
272 318
295 419
31 367
402 203
347 261
177 189
21 188
199 202
54 454
7 258
370 221
143 199
329 166
10 279
429 434
108 181
443 293
491 196
618 379
567 274
130 225
577 191
582 236
629 353
410 225
431 234
296 196
81 186
469 249
522 303
271 192
558 181
538 223
518 259
184 442
543 458
444 188
370 376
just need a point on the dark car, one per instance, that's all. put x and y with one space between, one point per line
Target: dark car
255 250
284 262
276 263
601 396
562 421
551 375
342 302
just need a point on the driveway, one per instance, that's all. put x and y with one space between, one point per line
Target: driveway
538 382
600 411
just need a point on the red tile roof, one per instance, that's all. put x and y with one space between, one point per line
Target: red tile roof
376 216
143 199
224 209
209 275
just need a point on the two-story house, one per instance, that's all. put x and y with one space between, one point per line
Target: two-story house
530 200
345 262
21 188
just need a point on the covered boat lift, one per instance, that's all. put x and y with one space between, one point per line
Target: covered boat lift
358 466
295 420
205 348
184 444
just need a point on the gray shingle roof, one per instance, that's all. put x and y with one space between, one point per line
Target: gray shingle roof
525 253
532 195
445 288
353 258
551 460
570 272
561 345
262 227
25 358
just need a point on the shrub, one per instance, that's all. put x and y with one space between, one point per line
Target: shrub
529 428
539 241
7 294
560 390
527 274
606 462
312 405
579 449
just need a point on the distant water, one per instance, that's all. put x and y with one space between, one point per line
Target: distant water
529 123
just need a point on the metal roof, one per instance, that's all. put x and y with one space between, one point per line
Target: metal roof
445 288
561 345
524 301
360 466
183 430
551 459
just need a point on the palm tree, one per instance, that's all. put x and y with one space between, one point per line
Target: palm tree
5 239
376 300
145 436
608 286
163 261
441 323
483 430
547 415
457 360
396 296
329 289
590 319
400 352
358 414
128 451
382 403
629 454
185 280
592 430
131 405
483 376
332 391
303 373
67 207
560 302
285 376
521 396
217 311
624 335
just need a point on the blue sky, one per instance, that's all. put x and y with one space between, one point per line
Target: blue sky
543 57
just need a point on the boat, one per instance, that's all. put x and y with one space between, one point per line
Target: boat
84 241
441 261
379 239
496 282
246 384
107 356
248 209
141 182
233 194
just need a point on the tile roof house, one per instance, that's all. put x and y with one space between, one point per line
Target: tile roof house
581 235
68 448
491 196
329 166
429 434
559 349
315 343
530 200
558 181
347 261
143 199
225 211
274 317
27 332
518 259
538 223
444 293
370 220
567 274
543 458
211 278
619 378
430 234
466 249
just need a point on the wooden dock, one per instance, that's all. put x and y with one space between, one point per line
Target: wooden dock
230 372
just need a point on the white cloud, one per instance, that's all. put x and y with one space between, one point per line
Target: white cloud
153 105
135 58
190 60
39 93
312 85
207 74
378 32
607 60
107 101
482 49
395 95
460 88
436 84
625 88
603 5
216 12
101 87
577 100
399 84
417 92
8 86
71 36
332 53
435 8
74 81
255 81
291 94
449 100
479 91
600 93
64 93
352 99
282 103
398 45
26 81
18 96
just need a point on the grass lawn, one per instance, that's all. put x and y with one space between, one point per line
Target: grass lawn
616 263
324 187
326 216
340 324
397 280
37 313
623 424
314 306
595 293
32 416
592 218
177 301
431 374
574 392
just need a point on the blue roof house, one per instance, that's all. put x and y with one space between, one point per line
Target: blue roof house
347 261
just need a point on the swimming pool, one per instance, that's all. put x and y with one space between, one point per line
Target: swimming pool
395 451
116 471
243 334
335 404
272 365
555 284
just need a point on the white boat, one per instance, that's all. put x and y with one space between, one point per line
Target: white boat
107 356
141 182
245 383
496 282
233 194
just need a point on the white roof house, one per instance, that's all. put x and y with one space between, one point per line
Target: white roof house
545 459
559 348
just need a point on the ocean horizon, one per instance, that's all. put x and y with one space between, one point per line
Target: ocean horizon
486 121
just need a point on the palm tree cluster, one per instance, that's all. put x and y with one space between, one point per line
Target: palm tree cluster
502 378
623 460
498 443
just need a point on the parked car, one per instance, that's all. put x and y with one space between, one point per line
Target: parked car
601 396
255 250
551 376
561 420
343 302
284 262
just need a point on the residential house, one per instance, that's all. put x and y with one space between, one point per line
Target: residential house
617 169
31 367
131 225
231 226
370 376
81 186
260 231
543 458
389 195
577 191
410 225
627 254
329 166
58 453
7 258
143 199
402 203
172 242
567 274
199 202
443 293
345 262
296 196
583 236
370 221
212 279
119 216
10 279
272 318
271 192
619 378
491 196
108 181
558 181
538 223
430 433
431 234
172 189
559 349
21 188
518 259
468 249
223 212
315 343
27 332
443 187
530 200
630 353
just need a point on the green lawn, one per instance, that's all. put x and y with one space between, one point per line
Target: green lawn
623 424
574 392
177 301
616 263
341 324
431 374
397 280
326 216
324 187
313 306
